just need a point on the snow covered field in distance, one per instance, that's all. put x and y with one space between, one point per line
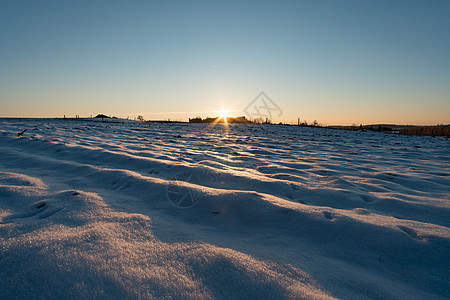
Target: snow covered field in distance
135 210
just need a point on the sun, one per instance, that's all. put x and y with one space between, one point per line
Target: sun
224 114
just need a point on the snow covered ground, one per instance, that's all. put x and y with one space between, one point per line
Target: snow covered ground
135 210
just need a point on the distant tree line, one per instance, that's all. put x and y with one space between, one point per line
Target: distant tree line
442 130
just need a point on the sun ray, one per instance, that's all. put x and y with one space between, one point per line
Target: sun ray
224 114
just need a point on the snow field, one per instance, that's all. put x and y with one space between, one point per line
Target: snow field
96 210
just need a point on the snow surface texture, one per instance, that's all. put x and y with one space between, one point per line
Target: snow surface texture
135 210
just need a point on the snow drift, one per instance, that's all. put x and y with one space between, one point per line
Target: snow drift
128 210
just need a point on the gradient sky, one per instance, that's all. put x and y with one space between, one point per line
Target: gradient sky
337 62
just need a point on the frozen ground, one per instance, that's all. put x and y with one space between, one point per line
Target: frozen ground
133 210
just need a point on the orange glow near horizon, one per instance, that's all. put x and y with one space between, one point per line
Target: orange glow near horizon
224 114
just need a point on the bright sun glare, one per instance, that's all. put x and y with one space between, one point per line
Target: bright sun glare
223 114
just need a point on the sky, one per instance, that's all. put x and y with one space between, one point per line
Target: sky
337 62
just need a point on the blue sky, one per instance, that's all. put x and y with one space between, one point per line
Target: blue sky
337 62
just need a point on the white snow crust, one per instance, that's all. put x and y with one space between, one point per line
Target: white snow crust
135 210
